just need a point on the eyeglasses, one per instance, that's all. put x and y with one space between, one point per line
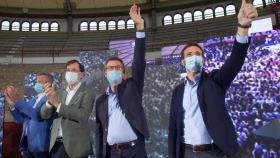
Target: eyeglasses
118 67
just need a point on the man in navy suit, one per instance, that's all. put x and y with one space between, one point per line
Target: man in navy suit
199 124
121 126
35 136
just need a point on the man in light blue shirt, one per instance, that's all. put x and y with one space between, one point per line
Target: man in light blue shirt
121 126
199 124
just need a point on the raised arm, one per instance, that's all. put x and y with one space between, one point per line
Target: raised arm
138 64
233 64
18 116
11 96
27 108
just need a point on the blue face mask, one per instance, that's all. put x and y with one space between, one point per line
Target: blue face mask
194 63
39 88
114 77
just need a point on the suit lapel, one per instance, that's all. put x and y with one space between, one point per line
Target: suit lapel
63 99
180 99
200 94
64 94
120 90
106 111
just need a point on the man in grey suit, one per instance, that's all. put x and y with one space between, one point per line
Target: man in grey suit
70 109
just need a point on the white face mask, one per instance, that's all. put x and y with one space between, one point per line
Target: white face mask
71 77
194 63
114 77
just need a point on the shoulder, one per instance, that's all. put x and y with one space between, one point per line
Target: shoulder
178 87
126 82
130 79
209 75
86 90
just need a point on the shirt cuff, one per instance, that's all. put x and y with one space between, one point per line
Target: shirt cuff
12 109
242 39
140 34
58 108
48 104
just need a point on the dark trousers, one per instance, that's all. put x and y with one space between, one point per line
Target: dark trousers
137 151
28 154
58 151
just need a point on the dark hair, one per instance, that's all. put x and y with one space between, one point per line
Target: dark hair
114 59
48 76
82 68
191 45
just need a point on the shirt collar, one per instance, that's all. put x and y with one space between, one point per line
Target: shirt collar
196 79
109 91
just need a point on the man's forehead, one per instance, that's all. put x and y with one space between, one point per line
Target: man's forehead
73 65
114 62
193 48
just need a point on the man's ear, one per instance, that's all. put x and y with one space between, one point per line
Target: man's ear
82 75
183 62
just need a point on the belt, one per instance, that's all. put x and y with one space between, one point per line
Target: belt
200 148
59 139
122 146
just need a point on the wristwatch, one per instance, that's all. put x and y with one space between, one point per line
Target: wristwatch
244 26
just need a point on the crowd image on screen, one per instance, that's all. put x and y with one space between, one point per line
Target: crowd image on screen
253 99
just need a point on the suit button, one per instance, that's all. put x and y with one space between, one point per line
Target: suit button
106 130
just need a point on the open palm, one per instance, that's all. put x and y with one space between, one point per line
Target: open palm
135 15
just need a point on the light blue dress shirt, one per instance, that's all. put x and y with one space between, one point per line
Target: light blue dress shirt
195 131
119 130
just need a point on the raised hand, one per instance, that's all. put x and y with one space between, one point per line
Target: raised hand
135 15
51 94
11 95
247 13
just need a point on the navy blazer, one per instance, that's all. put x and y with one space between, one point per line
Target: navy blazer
129 94
211 97
38 130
